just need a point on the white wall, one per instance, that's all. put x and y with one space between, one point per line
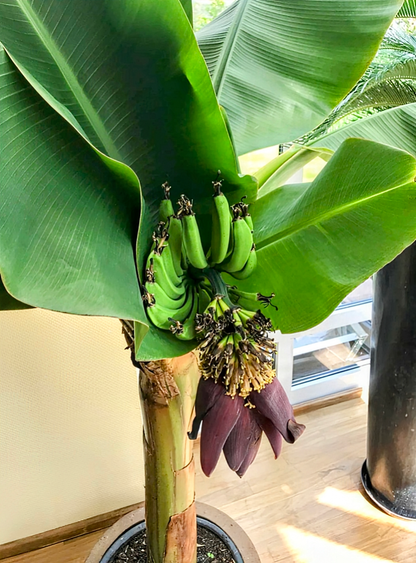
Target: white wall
70 425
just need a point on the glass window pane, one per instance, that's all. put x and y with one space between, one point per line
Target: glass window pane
332 350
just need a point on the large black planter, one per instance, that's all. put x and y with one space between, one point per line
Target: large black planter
389 473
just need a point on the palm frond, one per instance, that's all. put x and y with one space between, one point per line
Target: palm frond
408 9
389 81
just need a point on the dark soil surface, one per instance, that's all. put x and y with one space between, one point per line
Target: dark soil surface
211 549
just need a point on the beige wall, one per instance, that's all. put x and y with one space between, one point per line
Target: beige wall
70 428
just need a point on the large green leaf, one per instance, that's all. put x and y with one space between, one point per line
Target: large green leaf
187 6
395 127
130 77
159 344
317 242
7 302
68 217
280 66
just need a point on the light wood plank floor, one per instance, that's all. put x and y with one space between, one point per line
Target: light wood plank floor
307 507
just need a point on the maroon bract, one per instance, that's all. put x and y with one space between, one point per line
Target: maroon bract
235 425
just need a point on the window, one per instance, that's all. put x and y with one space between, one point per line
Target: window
333 356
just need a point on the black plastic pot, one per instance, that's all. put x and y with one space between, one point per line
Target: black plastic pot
389 473
122 540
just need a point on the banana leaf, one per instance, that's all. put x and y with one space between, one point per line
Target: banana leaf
77 135
317 242
146 108
130 78
187 6
69 217
279 68
7 302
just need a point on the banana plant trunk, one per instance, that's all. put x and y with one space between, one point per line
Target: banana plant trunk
389 473
168 390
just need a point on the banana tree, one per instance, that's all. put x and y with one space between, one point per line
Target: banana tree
104 103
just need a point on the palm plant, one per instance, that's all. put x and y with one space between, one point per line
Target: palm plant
103 103
389 82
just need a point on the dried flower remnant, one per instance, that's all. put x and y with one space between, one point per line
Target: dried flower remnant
236 349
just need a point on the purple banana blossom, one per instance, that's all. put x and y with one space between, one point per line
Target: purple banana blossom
235 424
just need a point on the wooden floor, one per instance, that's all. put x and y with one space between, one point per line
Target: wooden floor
307 507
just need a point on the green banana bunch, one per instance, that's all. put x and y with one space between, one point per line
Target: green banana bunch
191 235
165 293
179 286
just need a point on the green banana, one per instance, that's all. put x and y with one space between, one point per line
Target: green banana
244 299
191 235
246 215
188 327
162 299
249 267
250 301
184 258
175 242
242 244
166 277
160 315
221 225
249 220
166 207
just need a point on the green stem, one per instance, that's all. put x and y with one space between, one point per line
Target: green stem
168 390
218 284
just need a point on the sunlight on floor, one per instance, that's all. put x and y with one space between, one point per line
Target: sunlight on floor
309 548
353 502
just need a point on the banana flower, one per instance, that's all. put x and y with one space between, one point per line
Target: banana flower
235 425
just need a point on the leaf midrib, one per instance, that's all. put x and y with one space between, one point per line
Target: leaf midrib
228 48
322 218
70 78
